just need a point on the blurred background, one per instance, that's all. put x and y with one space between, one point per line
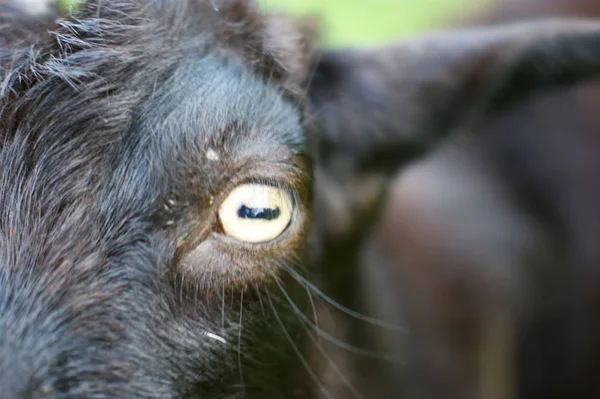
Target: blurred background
366 22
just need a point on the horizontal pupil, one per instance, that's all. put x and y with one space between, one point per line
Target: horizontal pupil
258 213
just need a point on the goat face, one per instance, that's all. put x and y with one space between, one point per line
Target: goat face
159 169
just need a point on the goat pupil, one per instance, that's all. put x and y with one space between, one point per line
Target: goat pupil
258 213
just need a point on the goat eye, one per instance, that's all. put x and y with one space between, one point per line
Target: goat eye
256 213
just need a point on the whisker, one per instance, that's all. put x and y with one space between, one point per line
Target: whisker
313 72
370 320
310 371
181 289
315 113
330 338
260 301
334 366
317 343
308 83
315 315
215 337
211 280
223 308
240 342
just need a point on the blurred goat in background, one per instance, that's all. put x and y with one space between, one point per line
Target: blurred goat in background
491 247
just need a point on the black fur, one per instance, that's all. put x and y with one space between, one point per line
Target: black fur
105 127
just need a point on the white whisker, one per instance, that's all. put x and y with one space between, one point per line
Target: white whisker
315 315
370 320
223 308
239 349
317 343
215 337
310 371
260 301
330 338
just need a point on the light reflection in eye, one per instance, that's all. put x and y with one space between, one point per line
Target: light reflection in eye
258 213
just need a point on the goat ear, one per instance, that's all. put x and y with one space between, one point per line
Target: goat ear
420 91
374 108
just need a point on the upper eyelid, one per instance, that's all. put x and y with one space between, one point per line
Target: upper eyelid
289 179
293 193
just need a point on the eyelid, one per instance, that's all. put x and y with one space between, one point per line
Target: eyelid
273 181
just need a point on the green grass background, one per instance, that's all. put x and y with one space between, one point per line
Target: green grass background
365 22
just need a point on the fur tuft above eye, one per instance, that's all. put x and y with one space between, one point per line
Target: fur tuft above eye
256 213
